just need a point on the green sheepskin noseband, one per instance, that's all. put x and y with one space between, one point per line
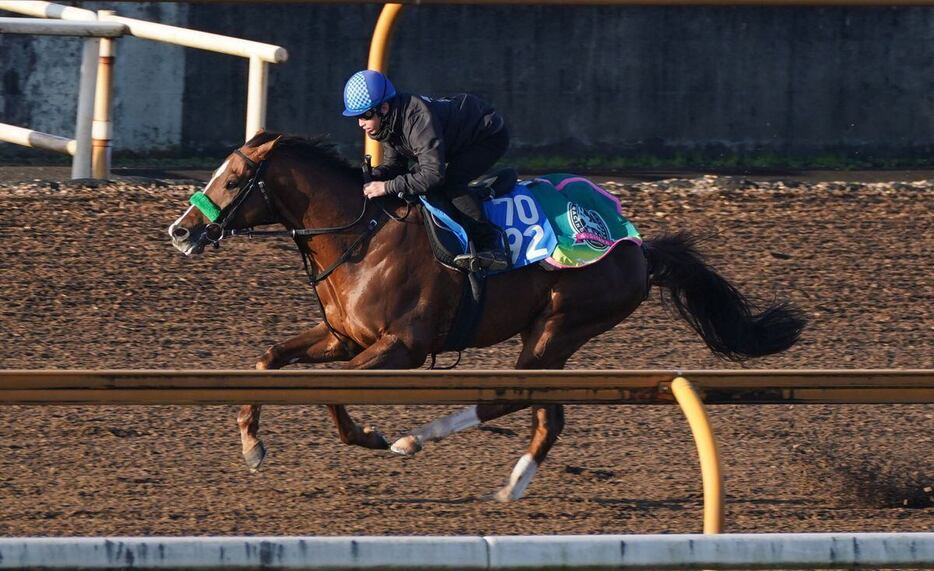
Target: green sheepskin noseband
206 206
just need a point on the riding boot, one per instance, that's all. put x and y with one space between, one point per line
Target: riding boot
489 255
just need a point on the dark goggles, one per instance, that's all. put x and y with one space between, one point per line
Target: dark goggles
368 115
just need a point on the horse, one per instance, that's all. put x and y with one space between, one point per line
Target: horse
385 305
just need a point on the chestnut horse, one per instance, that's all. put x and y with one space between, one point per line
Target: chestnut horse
387 305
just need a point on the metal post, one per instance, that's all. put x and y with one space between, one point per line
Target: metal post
102 130
379 57
256 97
693 409
81 165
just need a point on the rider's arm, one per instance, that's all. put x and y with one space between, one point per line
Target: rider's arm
424 136
393 164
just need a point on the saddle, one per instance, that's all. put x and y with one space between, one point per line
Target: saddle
496 184
448 239
558 221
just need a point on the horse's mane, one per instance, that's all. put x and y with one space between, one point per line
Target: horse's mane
318 148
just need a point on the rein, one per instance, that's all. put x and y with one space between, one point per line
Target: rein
209 209
220 231
217 231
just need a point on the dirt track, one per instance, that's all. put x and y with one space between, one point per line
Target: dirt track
89 280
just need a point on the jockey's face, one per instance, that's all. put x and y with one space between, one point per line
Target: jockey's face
370 121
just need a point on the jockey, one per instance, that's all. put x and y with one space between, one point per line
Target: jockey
449 142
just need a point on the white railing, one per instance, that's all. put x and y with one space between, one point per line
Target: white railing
47 10
61 27
735 551
81 146
258 53
93 131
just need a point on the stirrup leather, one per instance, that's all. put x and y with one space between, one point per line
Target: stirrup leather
489 260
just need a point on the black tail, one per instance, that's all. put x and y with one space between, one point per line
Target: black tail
714 307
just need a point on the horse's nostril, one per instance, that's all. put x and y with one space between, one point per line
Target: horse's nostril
179 233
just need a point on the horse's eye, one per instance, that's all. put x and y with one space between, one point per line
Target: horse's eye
231 184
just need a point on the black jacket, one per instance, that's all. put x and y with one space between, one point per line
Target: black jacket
430 132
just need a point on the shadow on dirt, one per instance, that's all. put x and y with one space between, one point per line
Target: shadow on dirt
868 479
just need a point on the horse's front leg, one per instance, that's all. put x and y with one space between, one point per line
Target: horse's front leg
389 352
253 449
317 345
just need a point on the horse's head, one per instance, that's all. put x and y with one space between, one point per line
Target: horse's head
233 199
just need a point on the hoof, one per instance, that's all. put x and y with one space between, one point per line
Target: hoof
371 438
519 480
507 494
254 456
407 445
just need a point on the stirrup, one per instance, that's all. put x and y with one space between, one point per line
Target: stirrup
490 260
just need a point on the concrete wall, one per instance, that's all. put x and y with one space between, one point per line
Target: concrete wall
583 80
40 75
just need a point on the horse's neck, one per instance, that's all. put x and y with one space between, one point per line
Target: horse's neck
321 198
393 242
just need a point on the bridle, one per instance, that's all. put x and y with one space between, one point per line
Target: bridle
217 230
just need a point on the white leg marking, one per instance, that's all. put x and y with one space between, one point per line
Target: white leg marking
448 425
519 480
436 430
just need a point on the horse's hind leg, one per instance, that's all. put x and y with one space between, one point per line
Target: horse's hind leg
576 314
542 349
547 423
317 345
550 343
443 427
463 419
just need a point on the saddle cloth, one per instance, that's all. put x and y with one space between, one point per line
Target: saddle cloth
558 220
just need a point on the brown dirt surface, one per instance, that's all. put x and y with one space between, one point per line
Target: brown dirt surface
90 280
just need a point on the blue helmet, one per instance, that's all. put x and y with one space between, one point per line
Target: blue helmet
365 90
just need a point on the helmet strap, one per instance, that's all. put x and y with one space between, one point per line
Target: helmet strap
383 131
379 110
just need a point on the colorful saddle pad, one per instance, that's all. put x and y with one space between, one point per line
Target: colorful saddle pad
560 220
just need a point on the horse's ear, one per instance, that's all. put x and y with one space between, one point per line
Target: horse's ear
265 148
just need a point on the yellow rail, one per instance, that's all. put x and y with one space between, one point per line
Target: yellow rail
157 387
709 454
379 61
